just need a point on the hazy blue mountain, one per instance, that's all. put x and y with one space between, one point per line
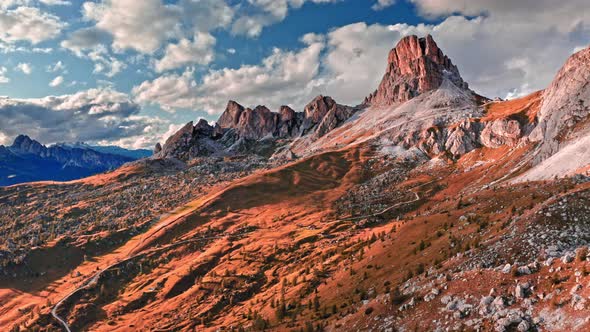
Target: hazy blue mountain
131 153
27 160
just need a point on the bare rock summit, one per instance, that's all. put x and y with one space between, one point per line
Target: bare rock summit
414 66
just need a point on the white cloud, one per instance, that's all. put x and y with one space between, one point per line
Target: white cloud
382 4
139 25
231 50
4 139
144 26
91 43
104 62
85 39
283 77
57 67
186 52
56 81
95 115
55 2
28 24
25 68
3 78
268 13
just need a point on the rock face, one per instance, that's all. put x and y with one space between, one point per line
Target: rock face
190 142
243 130
566 103
415 65
323 114
257 123
157 148
501 132
231 115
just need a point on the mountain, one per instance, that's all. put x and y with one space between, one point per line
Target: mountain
414 66
27 160
421 94
426 207
263 132
110 149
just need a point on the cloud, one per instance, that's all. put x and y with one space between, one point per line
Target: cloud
57 67
382 4
198 51
266 13
95 115
56 81
144 26
91 43
139 25
85 39
25 68
55 2
3 78
28 24
283 77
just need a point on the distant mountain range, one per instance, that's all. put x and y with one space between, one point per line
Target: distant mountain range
27 160
110 149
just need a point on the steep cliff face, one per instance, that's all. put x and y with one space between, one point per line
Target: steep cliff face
565 107
415 65
563 130
259 130
231 116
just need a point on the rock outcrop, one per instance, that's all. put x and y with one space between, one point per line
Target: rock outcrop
231 116
415 65
323 114
566 104
501 132
258 130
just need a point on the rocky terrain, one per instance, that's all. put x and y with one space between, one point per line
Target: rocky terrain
427 207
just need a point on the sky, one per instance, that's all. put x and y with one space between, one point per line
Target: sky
130 73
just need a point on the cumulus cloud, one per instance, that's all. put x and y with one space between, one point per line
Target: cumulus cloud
56 81
57 67
144 26
56 2
186 52
266 13
28 24
3 78
91 43
85 39
139 25
283 77
382 4
25 68
95 115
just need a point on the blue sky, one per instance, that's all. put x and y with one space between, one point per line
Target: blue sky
131 72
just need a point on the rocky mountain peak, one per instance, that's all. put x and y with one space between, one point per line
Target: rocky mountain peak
414 66
318 108
25 144
231 116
